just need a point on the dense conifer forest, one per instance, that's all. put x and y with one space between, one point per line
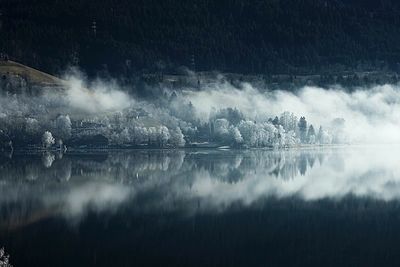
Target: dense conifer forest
252 36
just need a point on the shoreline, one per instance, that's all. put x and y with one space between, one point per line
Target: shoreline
123 149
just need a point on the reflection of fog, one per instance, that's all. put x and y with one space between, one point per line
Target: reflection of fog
97 196
190 180
32 171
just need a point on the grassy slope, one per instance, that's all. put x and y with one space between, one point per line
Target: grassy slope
34 76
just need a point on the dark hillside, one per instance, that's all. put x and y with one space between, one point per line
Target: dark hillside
252 36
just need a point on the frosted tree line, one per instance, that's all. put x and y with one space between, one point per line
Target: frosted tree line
283 131
168 122
121 129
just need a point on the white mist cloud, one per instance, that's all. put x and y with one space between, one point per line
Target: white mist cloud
101 98
372 115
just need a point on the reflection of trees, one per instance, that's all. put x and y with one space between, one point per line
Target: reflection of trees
281 164
129 166
169 176
229 166
303 164
35 167
48 158
63 170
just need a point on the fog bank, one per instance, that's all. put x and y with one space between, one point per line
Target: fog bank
244 114
372 115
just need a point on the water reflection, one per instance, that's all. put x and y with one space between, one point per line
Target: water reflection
33 187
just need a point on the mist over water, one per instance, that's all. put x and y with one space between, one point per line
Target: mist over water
166 201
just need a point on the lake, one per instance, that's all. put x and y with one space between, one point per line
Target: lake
335 206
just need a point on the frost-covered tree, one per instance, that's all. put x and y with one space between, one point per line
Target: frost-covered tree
236 135
63 127
290 139
32 126
248 130
163 135
158 136
152 135
258 134
47 139
284 120
289 121
125 136
141 135
4 259
176 137
232 115
221 128
324 137
114 138
280 137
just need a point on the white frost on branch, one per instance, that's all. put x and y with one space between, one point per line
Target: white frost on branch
47 139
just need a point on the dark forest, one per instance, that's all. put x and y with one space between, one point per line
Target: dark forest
249 37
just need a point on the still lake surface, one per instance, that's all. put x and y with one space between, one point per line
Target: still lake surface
305 207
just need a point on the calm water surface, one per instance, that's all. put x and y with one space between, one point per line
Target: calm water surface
311 207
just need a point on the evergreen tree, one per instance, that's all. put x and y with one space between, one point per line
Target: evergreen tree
275 121
311 134
303 129
320 135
